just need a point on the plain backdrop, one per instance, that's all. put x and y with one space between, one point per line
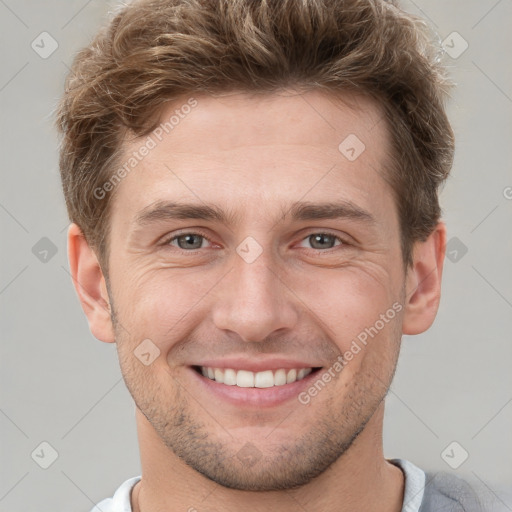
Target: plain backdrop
61 387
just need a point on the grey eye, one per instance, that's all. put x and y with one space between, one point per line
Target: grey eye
189 241
322 241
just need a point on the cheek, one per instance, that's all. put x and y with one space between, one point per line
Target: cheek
161 303
349 300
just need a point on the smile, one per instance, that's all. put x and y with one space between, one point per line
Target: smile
249 379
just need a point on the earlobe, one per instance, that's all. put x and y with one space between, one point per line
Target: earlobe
423 282
89 284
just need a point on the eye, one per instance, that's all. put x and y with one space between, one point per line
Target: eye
323 240
187 241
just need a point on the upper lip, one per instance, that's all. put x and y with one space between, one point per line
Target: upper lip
255 364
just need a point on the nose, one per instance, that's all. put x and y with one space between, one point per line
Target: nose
254 301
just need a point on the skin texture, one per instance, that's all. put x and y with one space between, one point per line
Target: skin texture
253 156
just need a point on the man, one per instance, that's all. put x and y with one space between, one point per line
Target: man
252 187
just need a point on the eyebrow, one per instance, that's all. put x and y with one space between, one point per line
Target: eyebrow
301 210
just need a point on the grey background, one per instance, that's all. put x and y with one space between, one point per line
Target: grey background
60 385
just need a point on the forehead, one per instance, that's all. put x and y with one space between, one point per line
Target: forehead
272 148
312 118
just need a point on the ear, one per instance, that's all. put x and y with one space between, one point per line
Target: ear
90 285
423 282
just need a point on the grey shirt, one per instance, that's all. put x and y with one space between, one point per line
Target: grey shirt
442 492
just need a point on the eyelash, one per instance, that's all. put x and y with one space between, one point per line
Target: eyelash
168 240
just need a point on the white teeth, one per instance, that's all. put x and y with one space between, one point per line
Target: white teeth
244 379
219 375
302 373
291 376
230 377
264 379
280 378
247 379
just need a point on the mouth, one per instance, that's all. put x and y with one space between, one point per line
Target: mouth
245 388
249 379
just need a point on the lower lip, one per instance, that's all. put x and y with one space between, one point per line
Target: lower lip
257 397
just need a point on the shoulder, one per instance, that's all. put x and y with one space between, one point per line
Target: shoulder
450 493
430 491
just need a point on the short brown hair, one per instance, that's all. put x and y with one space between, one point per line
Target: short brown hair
154 51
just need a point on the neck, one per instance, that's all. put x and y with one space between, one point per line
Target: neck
361 479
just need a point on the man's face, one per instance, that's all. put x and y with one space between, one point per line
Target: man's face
260 290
